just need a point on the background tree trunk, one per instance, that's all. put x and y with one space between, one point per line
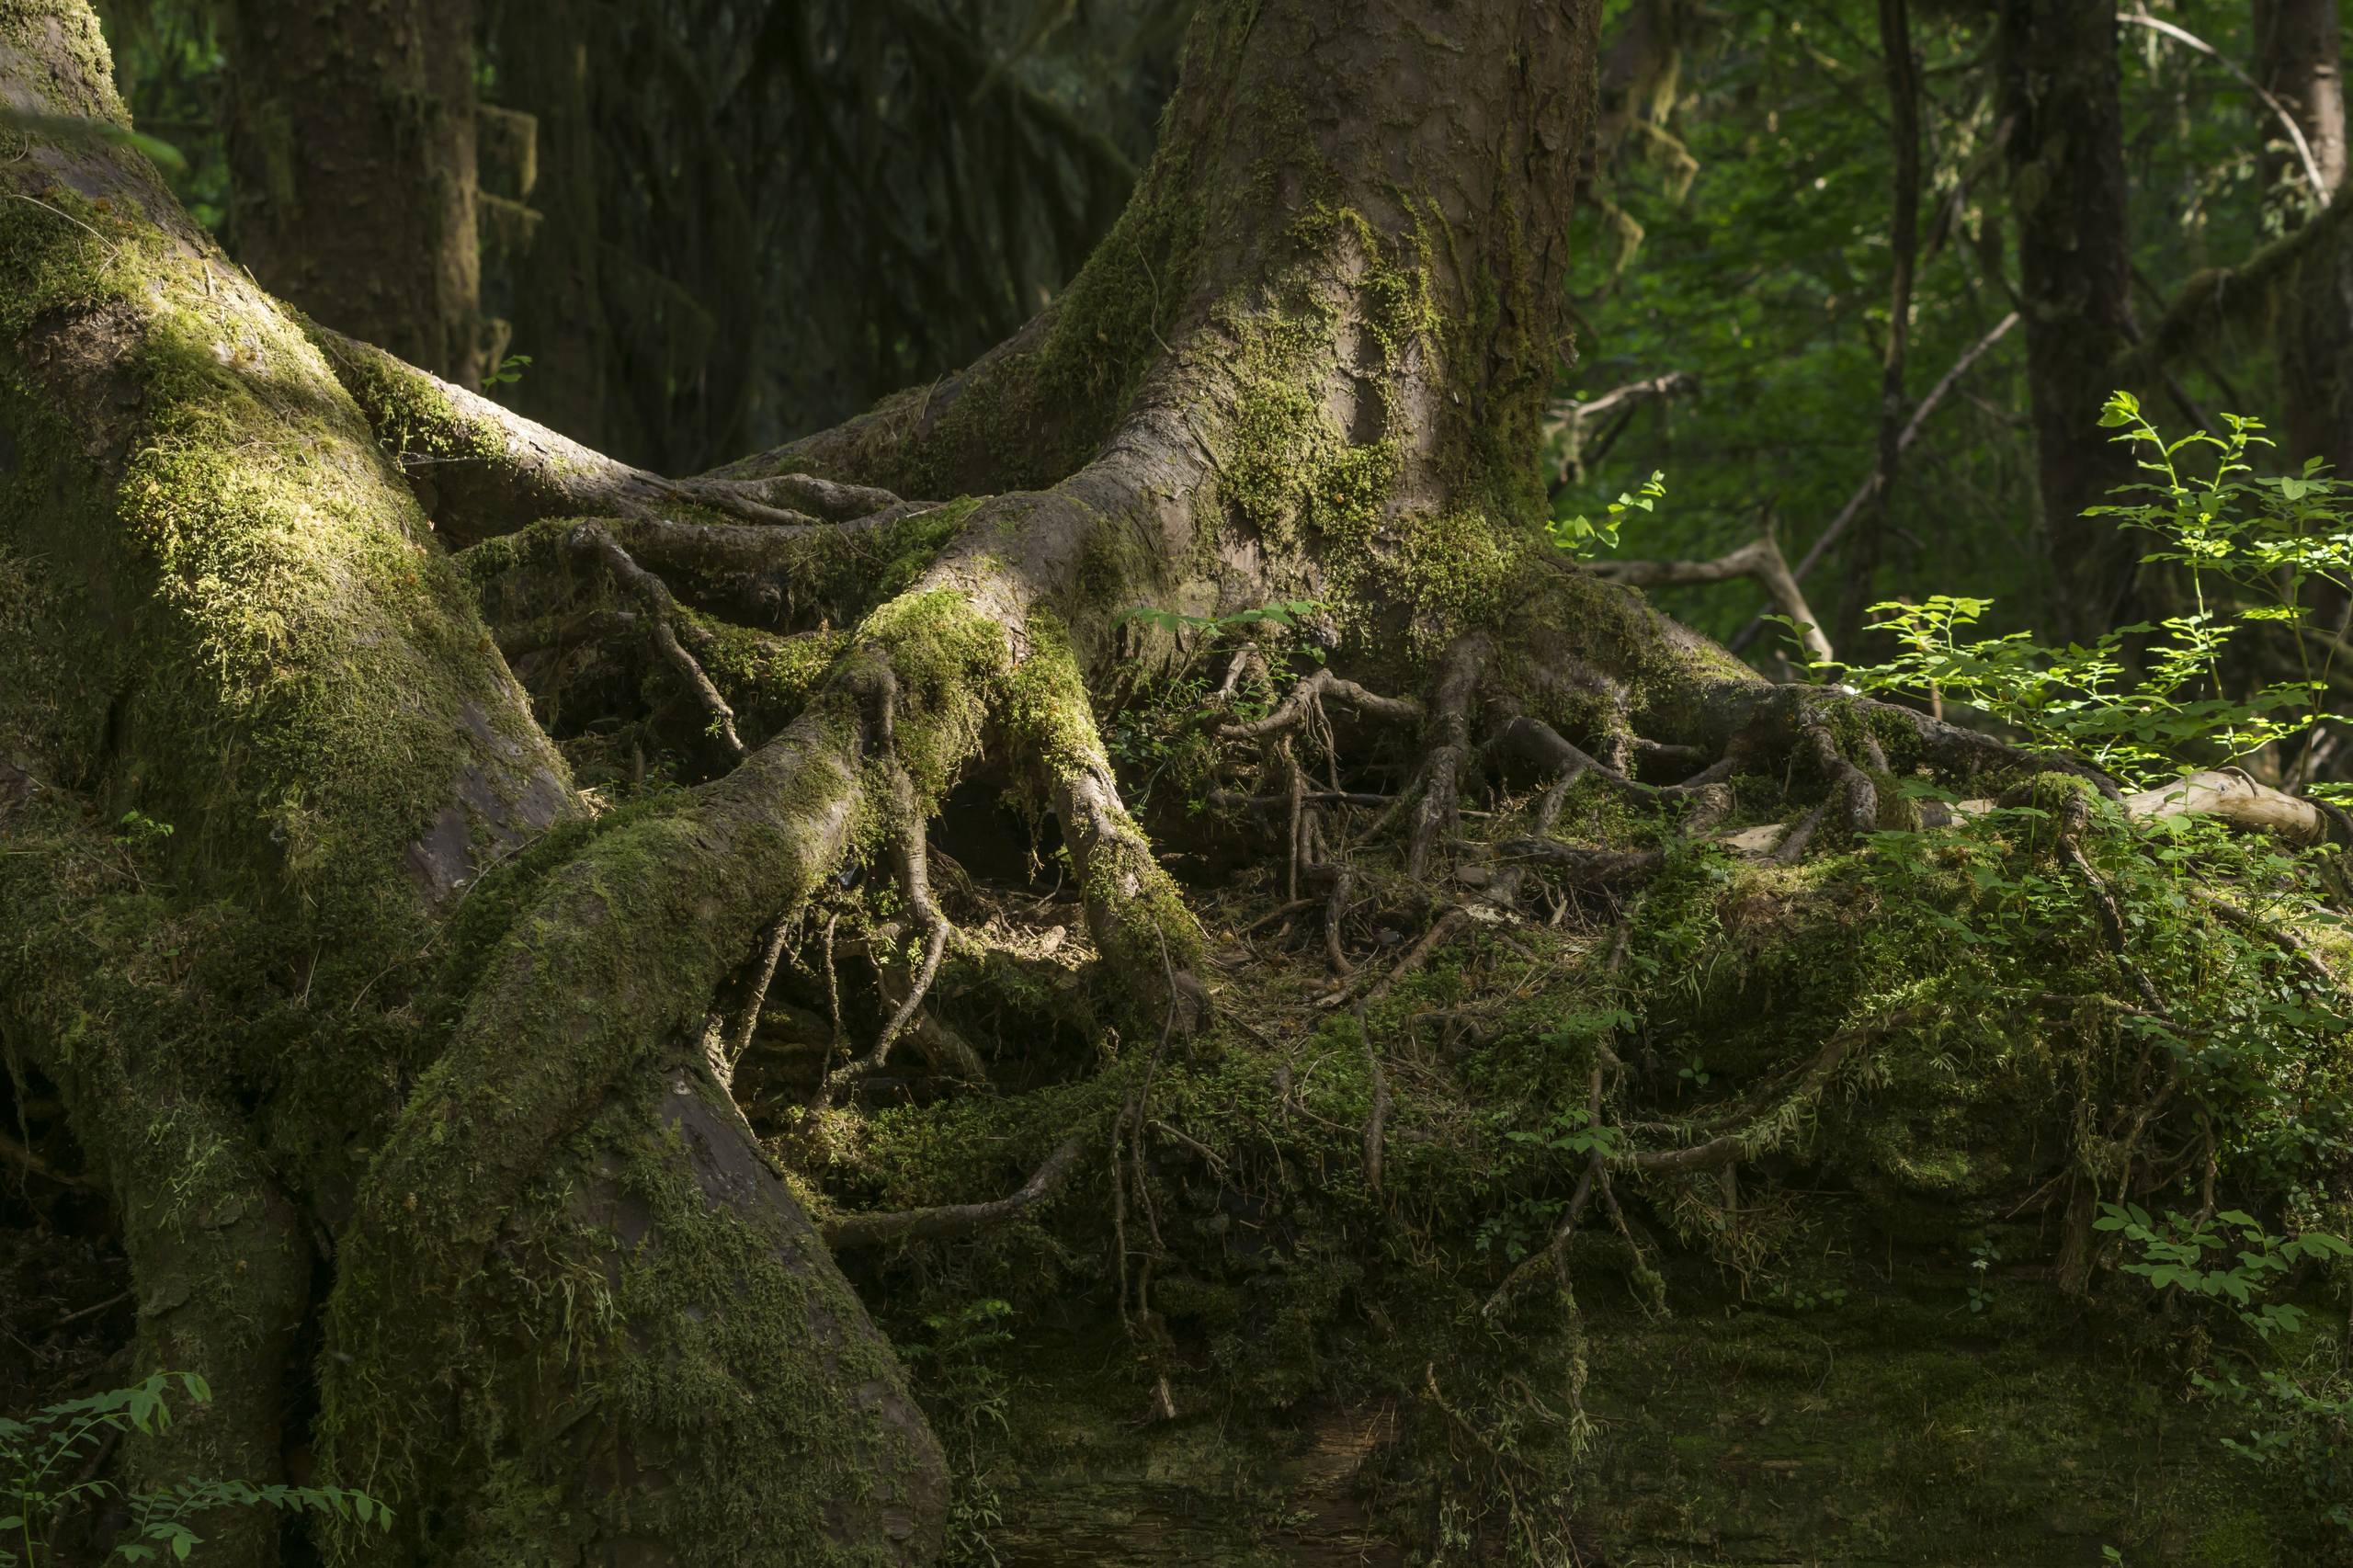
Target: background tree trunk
2064 148
558 307
2299 62
351 141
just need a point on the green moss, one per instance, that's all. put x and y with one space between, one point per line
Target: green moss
89 92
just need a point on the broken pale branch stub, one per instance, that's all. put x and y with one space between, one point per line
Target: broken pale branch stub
1760 559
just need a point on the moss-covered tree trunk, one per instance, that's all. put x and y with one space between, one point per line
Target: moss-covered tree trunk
351 147
408 1067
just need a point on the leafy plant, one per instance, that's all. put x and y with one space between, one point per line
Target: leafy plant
506 372
965 1394
1983 1257
2144 700
138 828
41 1455
1582 536
1574 1131
2228 1256
2297 1430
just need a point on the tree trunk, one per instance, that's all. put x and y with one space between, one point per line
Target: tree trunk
387 1045
494 1144
483 1115
2063 127
2298 61
558 307
351 147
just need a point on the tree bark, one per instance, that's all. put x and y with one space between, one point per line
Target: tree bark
558 307
2298 62
2063 127
351 148
390 1047
225 612
1904 239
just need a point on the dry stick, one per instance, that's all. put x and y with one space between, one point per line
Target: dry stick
91 1311
1444 927
1292 907
2278 109
593 539
954 1220
1760 559
34 1165
1904 111
1207 1155
1869 487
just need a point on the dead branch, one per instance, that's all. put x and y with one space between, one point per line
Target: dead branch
1760 559
1870 487
1572 419
953 1221
2279 111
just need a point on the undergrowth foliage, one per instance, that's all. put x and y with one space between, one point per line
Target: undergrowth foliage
49 1478
2254 554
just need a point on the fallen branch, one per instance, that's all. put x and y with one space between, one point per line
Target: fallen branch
1760 559
953 1221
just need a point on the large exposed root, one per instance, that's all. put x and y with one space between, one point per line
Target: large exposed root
1449 739
908 844
482 470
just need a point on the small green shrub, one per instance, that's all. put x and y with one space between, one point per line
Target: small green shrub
39 1457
